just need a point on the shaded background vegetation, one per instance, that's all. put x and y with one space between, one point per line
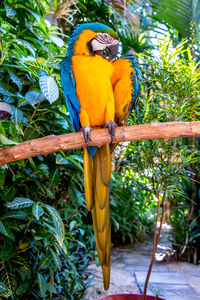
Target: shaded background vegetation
46 237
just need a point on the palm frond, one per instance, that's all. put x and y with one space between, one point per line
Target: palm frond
178 13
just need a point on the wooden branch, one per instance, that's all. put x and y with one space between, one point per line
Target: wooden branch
53 143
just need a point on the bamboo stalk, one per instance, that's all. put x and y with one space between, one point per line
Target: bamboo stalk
52 143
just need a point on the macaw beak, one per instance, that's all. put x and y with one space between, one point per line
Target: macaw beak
107 51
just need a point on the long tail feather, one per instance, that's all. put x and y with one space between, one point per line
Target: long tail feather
102 213
101 253
102 167
106 276
105 163
97 178
89 179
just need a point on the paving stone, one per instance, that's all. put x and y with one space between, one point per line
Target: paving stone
174 280
161 277
144 268
134 260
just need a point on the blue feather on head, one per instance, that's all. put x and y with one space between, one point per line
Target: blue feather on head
96 27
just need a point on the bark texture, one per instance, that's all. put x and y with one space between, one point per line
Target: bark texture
53 143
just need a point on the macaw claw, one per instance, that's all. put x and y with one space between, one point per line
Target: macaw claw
86 134
111 125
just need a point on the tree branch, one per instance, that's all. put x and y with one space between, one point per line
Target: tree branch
53 143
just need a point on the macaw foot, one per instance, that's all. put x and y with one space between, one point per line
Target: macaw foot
86 134
111 125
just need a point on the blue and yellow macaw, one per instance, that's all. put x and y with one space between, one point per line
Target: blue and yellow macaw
100 92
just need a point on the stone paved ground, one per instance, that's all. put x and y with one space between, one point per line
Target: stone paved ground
129 265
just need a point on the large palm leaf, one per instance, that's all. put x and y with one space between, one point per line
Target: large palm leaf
180 14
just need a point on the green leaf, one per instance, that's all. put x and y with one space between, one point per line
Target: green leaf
52 229
18 51
6 90
60 160
61 242
16 215
44 168
55 177
49 88
37 210
49 192
23 287
17 115
54 62
42 284
33 72
56 259
51 288
27 45
8 99
72 224
7 252
2 177
44 261
4 290
5 141
34 14
57 40
15 79
57 220
3 229
36 65
34 97
10 12
19 203
77 160
8 192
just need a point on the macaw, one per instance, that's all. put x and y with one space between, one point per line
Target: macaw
99 92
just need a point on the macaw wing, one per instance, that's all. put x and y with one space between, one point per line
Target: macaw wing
69 89
136 78
126 87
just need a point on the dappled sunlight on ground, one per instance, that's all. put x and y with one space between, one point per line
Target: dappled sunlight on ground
173 280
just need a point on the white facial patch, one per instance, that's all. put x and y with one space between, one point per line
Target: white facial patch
96 45
102 41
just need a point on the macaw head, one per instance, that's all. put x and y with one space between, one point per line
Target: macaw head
93 39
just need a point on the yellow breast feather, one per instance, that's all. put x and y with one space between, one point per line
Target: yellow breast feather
94 89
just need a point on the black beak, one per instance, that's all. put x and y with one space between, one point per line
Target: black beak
113 50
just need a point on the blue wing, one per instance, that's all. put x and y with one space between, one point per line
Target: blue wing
136 78
69 89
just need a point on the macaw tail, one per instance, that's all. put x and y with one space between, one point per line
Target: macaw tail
97 174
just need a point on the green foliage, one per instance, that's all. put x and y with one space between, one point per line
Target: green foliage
153 169
45 245
41 243
131 215
25 48
187 231
182 15
174 85
185 216
36 252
